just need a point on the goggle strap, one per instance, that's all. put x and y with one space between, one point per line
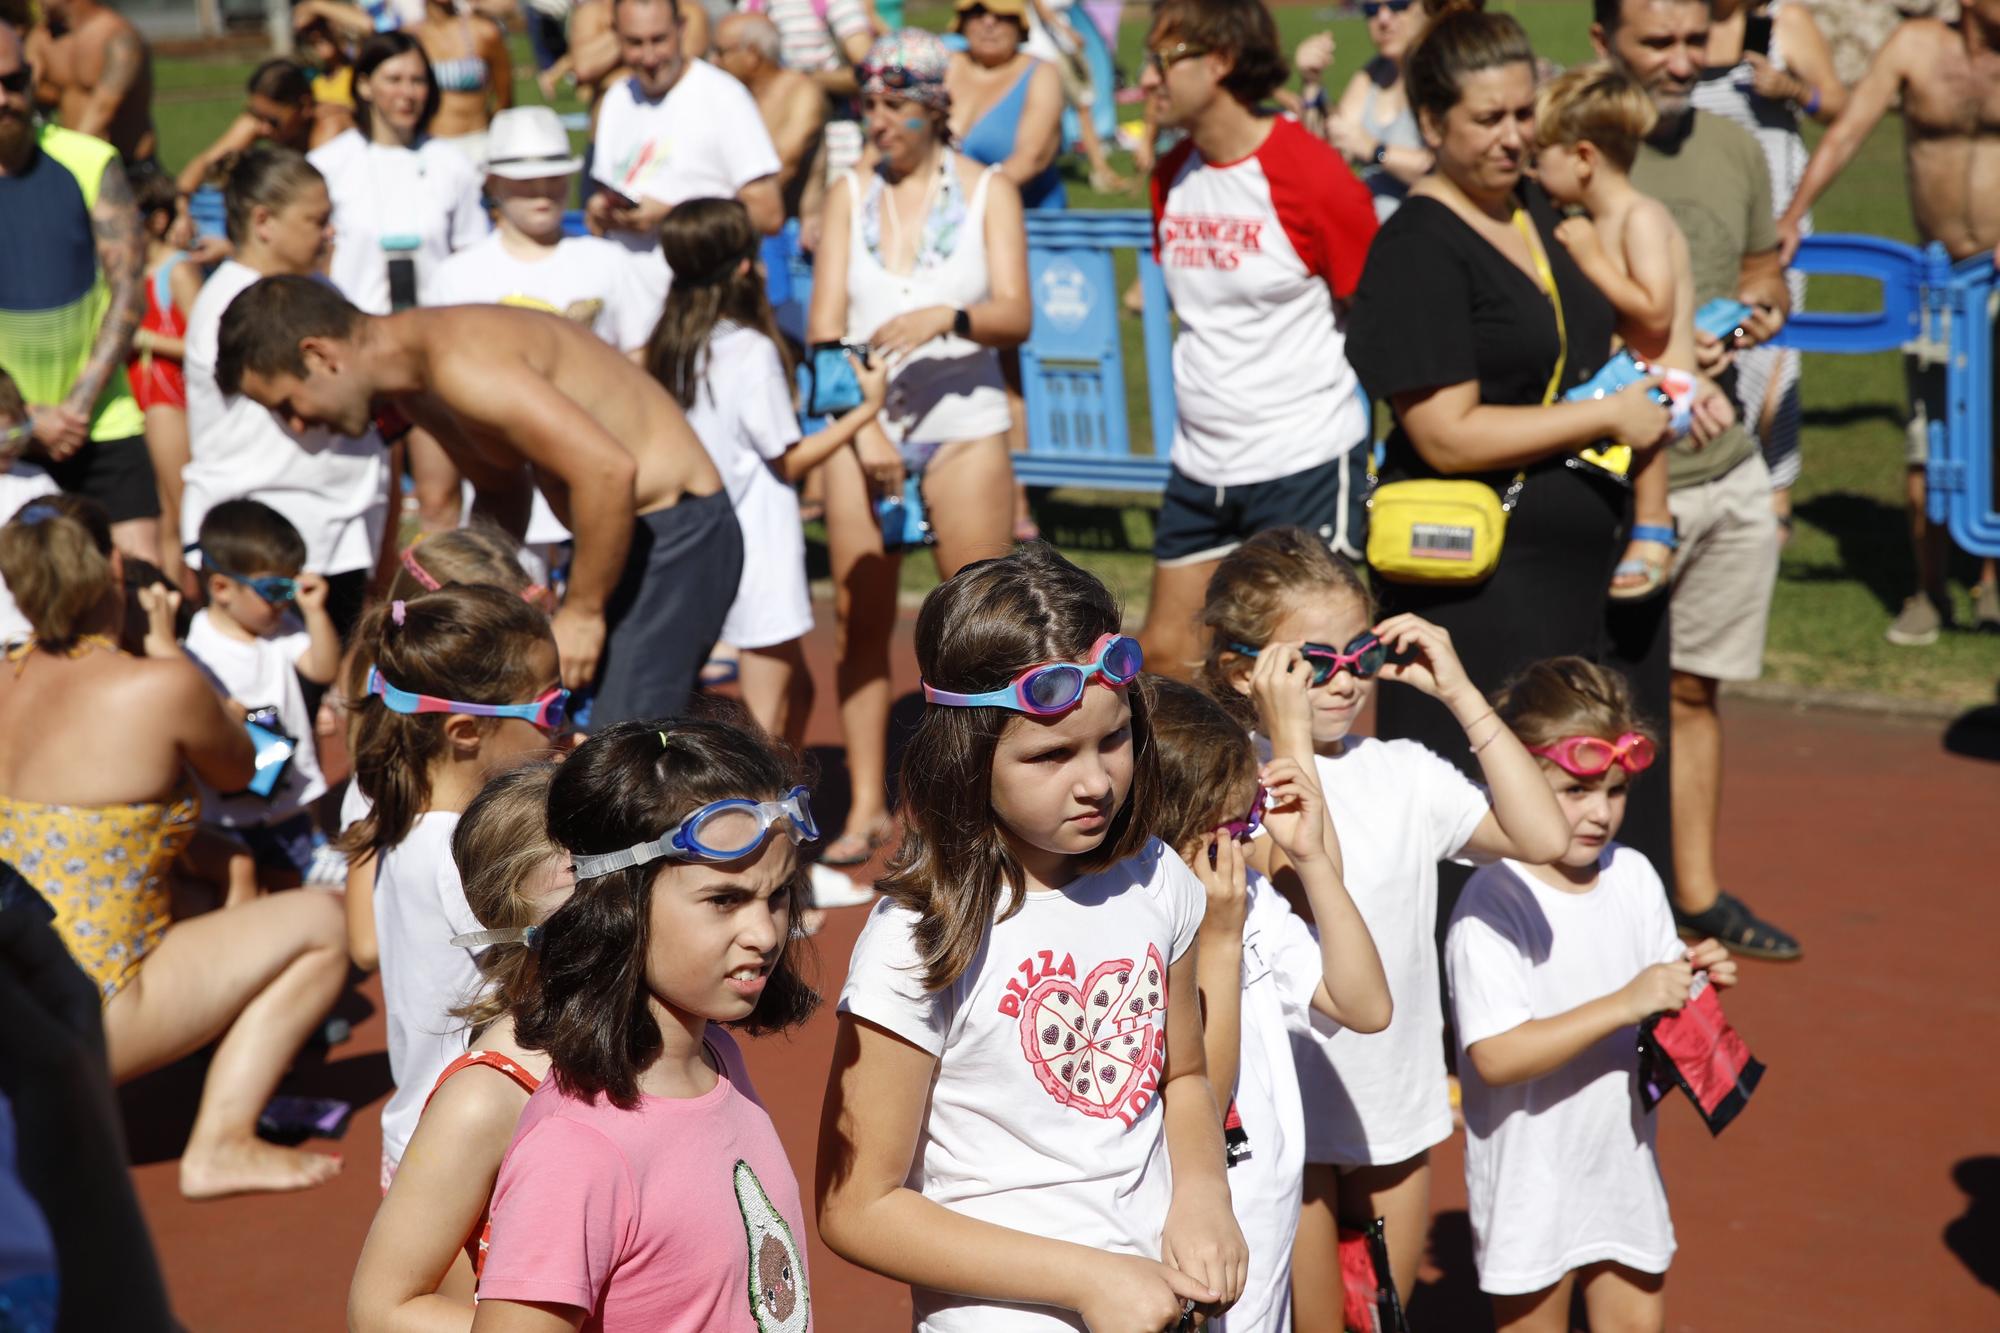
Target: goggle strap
606 863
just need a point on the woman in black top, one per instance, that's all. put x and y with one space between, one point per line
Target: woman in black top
1452 324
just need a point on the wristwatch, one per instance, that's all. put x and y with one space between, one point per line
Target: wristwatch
1380 156
961 323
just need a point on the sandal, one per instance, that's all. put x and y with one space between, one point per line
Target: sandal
1745 933
853 849
1655 572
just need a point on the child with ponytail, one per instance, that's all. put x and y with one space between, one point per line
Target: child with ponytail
1019 1123
428 1242
1553 963
717 351
646 1188
448 689
1263 977
1286 616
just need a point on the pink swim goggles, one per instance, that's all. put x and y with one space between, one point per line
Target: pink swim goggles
1593 756
1054 687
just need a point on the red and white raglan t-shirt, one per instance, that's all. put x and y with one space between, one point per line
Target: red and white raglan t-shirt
1257 254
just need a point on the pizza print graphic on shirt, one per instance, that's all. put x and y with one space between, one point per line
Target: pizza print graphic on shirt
1098 1048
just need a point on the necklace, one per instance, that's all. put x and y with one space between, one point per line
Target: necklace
84 645
894 212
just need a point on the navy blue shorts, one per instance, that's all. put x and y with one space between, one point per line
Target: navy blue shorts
1201 523
287 845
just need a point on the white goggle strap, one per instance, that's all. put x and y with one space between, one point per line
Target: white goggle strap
590 867
481 939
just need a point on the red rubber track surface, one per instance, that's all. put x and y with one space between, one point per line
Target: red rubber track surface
1834 1200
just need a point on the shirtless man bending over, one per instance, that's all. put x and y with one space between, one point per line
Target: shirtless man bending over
1948 79
510 393
95 72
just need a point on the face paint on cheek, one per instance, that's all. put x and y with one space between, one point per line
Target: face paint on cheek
913 123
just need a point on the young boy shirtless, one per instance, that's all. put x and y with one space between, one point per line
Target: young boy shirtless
1589 123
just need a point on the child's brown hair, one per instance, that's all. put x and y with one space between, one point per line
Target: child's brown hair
501 842
55 554
1568 696
1206 761
1255 587
1595 104
481 552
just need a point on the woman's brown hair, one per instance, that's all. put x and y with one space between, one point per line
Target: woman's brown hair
501 843
1461 40
1241 29
1207 763
1568 696
55 554
977 631
1257 585
265 176
465 642
630 783
711 248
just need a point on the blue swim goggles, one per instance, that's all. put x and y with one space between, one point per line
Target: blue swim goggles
725 830
1055 687
270 587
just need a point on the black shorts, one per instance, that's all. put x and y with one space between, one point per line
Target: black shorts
1201 523
680 578
118 474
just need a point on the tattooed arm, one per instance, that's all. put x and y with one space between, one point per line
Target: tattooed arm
121 253
124 61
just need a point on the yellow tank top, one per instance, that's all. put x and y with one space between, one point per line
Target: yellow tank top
337 87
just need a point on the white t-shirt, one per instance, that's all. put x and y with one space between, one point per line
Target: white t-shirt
1559 1170
419 906
431 192
704 140
587 279
1255 253
1282 970
1044 1112
333 489
1381 1098
20 482
744 417
261 673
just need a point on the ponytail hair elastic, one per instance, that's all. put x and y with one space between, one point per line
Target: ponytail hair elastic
398 609
37 512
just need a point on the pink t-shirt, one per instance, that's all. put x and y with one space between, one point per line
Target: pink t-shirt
678 1216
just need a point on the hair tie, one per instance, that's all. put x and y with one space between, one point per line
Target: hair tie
417 571
38 511
663 739
397 609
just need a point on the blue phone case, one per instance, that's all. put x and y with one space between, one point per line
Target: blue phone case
274 756
834 388
1722 318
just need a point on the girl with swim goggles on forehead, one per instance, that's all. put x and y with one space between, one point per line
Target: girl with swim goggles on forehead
646 1188
1553 964
1295 652
447 689
1019 1105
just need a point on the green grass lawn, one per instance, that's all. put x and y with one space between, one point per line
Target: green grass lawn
1848 565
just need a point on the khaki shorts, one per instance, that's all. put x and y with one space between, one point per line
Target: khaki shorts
1725 573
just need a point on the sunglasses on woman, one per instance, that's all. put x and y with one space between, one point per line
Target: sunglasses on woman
725 830
270 587
1593 756
1363 656
547 713
1370 8
1055 687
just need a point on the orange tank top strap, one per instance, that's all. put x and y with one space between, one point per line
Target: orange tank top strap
492 1060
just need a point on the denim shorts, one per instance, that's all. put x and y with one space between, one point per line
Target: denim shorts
1200 523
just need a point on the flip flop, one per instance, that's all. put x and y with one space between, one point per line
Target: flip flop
853 849
1742 930
718 671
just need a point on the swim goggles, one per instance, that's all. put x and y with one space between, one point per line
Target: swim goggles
1592 756
1252 823
547 713
725 830
270 587
1055 687
1363 656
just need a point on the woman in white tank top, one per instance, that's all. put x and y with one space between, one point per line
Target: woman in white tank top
925 259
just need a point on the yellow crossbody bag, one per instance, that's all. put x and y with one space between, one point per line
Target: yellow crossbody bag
1447 530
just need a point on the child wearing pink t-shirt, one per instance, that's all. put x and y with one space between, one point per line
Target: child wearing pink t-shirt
646 1187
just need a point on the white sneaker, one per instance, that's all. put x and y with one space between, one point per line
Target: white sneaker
831 888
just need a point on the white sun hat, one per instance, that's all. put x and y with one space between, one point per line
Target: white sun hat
529 143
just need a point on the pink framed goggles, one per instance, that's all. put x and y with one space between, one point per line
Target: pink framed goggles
546 713
1593 756
1054 687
